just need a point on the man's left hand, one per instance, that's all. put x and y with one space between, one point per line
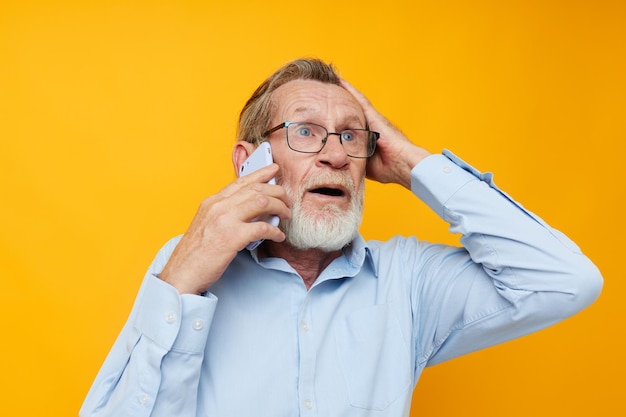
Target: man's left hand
395 154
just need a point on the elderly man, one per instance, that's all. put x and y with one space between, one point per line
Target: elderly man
316 320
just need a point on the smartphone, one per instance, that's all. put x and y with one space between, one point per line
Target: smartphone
261 157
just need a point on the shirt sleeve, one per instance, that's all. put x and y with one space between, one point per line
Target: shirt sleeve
160 349
513 276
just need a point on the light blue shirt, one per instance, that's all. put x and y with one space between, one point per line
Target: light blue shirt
259 344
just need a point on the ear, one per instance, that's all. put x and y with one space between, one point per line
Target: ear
241 152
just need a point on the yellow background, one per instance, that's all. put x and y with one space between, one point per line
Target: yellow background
118 117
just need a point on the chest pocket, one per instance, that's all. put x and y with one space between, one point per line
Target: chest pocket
374 357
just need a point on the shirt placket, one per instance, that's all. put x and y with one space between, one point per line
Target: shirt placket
307 361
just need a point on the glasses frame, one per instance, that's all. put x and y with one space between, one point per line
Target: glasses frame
372 137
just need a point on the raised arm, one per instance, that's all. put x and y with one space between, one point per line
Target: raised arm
514 275
161 347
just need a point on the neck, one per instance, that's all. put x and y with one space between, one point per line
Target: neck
308 263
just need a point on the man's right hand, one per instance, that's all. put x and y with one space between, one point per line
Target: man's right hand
222 227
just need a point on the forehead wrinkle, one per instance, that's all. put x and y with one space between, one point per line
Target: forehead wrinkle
311 108
317 103
344 120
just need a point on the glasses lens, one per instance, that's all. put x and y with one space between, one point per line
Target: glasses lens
305 137
356 142
372 137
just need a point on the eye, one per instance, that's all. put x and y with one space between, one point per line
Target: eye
347 135
304 131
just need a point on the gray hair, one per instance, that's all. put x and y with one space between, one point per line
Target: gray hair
256 115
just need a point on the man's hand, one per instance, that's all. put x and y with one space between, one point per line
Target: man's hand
395 155
222 227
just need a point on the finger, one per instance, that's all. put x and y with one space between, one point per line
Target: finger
274 191
360 97
374 118
261 230
261 175
227 221
259 205
247 201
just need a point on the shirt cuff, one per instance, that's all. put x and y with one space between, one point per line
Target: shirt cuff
174 321
438 177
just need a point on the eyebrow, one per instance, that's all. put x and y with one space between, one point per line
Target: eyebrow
348 120
302 109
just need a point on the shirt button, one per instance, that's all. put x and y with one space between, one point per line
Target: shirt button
170 318
143 400
447 169
304 326
308 404
198 324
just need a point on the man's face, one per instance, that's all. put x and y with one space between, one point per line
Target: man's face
326 187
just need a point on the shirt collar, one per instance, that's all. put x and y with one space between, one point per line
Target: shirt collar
358 252
355 254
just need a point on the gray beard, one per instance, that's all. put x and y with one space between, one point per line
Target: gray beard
329 228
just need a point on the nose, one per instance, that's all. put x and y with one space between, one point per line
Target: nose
333 153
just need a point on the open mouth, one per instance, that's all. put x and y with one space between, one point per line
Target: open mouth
331 192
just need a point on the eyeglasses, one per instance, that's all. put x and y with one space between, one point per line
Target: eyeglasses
308 137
